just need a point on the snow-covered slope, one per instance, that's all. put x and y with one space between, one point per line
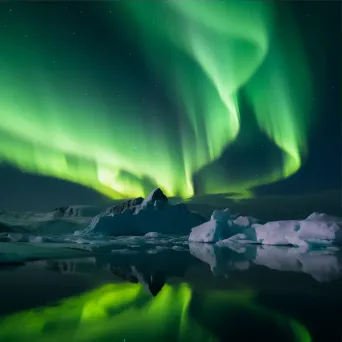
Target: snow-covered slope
64 220
140 216
22 219
74 211
317 230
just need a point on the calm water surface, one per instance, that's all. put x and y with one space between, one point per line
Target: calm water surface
201 293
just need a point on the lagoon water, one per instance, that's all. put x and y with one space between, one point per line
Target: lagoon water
198 293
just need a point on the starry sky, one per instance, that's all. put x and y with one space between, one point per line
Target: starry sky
107 100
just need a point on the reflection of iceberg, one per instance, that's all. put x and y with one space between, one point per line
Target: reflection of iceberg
321 264
220 260
153 282
150 270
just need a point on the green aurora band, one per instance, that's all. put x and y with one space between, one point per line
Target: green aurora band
206 54
125 312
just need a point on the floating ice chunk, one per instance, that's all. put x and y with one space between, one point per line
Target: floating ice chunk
308 232
222 225
124 251
317 230
210 231
179 249
155 235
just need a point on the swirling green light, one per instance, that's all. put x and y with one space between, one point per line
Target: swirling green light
62 124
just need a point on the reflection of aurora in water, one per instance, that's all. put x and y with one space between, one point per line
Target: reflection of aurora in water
206 54
125 312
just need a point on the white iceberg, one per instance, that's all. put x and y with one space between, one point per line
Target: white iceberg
317 230
222 225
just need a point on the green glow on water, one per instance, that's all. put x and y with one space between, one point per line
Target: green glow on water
118 312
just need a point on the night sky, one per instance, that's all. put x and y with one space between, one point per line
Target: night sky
111 99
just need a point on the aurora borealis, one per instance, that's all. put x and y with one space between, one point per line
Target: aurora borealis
86 113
